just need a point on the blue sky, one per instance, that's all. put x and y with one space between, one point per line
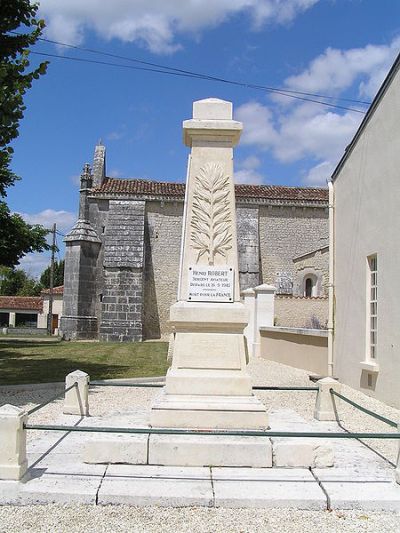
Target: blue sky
339 48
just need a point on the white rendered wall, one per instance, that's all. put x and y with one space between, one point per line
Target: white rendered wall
367 221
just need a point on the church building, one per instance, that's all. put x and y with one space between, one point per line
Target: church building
122 255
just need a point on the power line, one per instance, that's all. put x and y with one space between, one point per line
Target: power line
207 78
197 74
188 73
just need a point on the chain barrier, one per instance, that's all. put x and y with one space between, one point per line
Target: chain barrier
34 409
364 410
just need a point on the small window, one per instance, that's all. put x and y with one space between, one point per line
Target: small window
310 286
372 307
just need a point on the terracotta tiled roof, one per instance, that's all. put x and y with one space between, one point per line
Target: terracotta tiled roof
141 187
56 290
25 303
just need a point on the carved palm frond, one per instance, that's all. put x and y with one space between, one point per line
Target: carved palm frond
211 214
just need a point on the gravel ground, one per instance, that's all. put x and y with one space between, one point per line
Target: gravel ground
54 519
74 518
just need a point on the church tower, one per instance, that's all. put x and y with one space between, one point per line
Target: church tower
79 319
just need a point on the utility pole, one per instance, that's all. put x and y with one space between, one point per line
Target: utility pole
53 251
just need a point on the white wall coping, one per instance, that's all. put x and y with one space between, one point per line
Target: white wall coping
296 331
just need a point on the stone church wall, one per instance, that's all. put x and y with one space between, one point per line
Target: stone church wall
163 229
269 238
287 232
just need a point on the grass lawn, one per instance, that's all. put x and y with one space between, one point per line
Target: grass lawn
40 361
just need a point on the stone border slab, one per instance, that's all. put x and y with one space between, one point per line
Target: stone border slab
267 488
156 486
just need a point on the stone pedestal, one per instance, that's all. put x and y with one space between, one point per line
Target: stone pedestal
76 400
326 405
207 386
13 462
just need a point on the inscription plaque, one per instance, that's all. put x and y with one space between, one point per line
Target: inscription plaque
210 284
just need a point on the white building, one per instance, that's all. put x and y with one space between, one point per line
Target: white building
366 251
30 312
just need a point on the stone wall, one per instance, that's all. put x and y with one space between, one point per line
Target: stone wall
121 318
79 310
163 230
300 348
285 233
300 312
248 246
121 301
268 239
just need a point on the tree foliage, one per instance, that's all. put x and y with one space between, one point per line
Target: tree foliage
16 236
16 282
58 275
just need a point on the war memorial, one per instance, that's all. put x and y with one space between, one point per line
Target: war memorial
207 438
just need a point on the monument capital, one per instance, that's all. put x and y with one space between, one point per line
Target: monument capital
212 122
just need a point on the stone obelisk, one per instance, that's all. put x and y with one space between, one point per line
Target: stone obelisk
208 385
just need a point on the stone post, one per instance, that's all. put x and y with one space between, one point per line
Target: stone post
76 400
325 406
13 462
265 312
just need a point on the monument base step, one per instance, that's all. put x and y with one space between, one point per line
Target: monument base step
116 448
194 450
208 412
219 382
208 450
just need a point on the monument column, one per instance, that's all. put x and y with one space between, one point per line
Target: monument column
208 385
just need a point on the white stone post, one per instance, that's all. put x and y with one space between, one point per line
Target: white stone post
76 400
249 300
325 406
13 462
265 312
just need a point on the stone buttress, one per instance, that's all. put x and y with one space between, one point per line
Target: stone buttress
123 262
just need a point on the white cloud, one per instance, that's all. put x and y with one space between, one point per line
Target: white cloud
247 171
258 127
34 263
323 135
336 70
64 219
157 23
318 175
305 130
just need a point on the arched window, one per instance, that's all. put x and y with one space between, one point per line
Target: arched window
310 286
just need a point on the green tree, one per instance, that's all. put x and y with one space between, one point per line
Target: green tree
58 275
16 282
16 236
